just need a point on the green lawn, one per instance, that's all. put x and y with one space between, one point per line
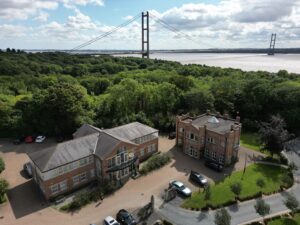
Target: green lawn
221 193
286 221
250 140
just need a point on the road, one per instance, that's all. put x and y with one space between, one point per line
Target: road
241 213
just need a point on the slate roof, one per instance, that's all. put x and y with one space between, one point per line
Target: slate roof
64 153
88 140
213 123
293 145
131 131
86 129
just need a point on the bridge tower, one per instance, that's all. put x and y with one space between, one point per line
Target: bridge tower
272 45
145 38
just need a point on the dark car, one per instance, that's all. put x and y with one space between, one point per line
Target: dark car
215 166
59 139
172 135
198 178
125 218
18 141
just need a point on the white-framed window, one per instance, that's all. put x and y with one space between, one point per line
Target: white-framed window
187 150
179 141
214 155
83 162
221 158
153 147
79 179
192 136
191 151
211 140
142 152
181 129
124 172
206 152
111 162
63 185
149 149
54 189
92 173
59 187
118 160
195 153
91 159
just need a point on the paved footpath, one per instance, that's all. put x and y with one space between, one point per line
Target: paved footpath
241 213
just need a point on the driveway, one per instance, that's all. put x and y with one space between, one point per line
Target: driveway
26 207
242 213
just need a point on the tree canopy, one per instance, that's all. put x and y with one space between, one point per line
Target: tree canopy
56 92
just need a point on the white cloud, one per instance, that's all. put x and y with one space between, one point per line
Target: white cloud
23 9
42 16
12 31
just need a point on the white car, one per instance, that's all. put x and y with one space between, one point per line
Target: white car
180 188
110 221
40 139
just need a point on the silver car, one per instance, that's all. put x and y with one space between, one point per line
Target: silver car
181 188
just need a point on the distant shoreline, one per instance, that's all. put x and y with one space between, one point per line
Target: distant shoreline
205 51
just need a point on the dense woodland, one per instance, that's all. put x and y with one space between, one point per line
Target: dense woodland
54 93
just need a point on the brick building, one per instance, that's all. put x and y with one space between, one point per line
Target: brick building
94 154
213 137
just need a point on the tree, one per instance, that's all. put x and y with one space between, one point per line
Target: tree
261 207
260 182
3 188
236 188
273 134
2 165
222 217
291 202
207 192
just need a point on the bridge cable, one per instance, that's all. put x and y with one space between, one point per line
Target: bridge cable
178 32
106 34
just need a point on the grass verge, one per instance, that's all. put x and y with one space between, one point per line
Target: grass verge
295 220
221 194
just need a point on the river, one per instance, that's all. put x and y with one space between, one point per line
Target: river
247 62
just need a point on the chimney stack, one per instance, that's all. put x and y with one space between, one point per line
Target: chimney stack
238 119
208 112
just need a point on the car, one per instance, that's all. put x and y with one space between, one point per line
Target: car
125 218
29 139
181 188
28 169
198 178
40 139
110 221
59 139
215 166
172 135
18 141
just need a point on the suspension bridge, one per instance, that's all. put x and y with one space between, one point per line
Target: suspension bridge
144 17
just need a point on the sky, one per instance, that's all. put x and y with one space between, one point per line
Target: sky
203 24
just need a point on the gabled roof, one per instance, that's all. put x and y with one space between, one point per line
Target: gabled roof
88 140
107 143
86 129
64 153
131 131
